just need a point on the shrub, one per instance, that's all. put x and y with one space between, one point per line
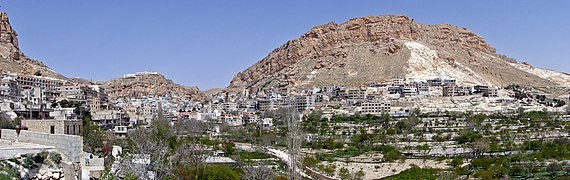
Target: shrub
55 157
28 162
218 172
40 157
457 161
416 173
468 137
310 161
392 155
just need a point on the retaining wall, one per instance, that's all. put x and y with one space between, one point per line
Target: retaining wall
70 146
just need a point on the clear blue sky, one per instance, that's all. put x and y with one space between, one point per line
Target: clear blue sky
205 43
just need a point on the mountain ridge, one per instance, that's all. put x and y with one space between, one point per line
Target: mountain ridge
343 52
13 60
142 84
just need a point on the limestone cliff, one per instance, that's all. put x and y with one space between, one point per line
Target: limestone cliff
376 48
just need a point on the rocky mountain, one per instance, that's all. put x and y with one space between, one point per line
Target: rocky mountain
12 60
149 84
377 48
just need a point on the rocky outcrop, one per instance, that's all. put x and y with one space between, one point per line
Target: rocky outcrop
12 59
345 52
8 38
40 166
149 84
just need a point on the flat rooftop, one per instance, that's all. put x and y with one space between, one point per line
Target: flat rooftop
10 149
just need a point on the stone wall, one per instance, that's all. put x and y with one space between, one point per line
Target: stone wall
70 146
8 134
72 127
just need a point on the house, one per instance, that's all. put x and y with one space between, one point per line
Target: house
54 126
220 160
121 131
267 123
63 113
232 120
110 117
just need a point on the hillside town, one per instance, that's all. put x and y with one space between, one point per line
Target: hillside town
419 119
375 97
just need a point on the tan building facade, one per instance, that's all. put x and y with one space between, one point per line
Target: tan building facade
71 127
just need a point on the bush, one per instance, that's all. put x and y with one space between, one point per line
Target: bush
416 173
482 162
494 172
392 155
457 161
253 155
55 157
310 161
218 172
40 157
468 137
28 162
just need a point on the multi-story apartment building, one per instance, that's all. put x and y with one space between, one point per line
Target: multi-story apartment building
36 81
303 102
455 91
354 94
9 89
267 104
375 107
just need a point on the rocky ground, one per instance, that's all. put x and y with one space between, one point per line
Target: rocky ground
43 165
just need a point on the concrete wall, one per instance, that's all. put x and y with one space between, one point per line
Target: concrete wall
70 146
8 134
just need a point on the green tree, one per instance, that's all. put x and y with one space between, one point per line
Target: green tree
468 136
392 155
457 161
93 137
229 148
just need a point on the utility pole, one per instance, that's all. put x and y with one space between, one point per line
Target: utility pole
40 113
29 104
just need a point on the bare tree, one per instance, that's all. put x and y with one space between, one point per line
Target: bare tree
480 146
190 154
257 173
294 142
191 128
149 156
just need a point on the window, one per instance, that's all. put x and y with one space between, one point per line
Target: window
52 129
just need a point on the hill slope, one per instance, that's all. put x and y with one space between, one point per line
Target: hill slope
377 48
149 84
